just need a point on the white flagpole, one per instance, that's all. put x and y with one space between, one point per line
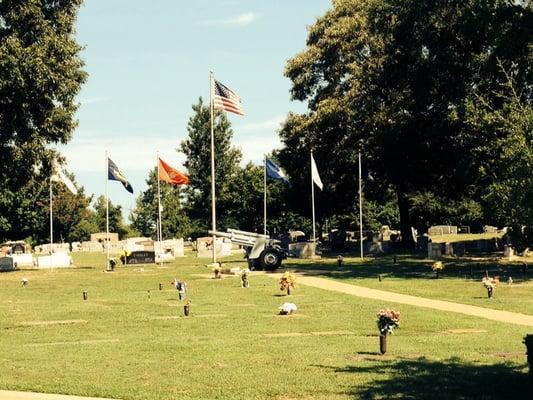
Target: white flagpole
265 198
360 209
51 222
160 230
313 196
213 201
107 209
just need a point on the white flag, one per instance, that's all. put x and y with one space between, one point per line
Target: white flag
314 173
59 176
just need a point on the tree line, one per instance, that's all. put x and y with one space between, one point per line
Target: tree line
437 97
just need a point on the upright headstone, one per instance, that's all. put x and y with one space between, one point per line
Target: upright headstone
422 242
56 260
140 257
434 250
22 260
303 250
6 264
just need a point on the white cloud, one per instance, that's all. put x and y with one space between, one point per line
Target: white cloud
254 148
271 124
87 154
240 20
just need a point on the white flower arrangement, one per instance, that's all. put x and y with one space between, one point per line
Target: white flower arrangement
287 308
490 282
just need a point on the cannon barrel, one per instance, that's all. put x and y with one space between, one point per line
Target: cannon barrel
219 234
249 234
238 238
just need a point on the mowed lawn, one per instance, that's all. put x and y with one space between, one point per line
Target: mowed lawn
129 340
413 276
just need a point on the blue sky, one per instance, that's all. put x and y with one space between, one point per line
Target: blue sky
149 61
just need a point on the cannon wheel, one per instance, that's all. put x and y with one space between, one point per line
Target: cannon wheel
269 259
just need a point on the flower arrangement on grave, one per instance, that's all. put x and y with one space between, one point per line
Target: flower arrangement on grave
437 267
287 308
340 260
490 284
387 320
287 282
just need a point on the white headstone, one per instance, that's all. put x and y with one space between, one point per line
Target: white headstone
57 260
22 260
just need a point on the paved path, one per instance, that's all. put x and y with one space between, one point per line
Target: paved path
8 395
354 290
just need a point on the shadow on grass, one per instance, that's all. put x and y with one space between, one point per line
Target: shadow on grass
451 379
410 266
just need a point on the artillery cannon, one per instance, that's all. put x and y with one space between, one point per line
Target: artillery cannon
261 251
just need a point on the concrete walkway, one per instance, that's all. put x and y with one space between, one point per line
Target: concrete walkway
9 395
354 290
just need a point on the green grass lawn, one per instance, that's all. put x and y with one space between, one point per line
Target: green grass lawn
130 340
413 276
464 237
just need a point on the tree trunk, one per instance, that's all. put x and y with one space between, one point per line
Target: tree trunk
405 220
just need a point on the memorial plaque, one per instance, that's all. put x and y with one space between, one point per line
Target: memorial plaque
140 257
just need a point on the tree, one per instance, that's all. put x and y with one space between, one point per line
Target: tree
506 171
393 78
244 202
40 76
198 163
144 217
69 211
116 223
24 213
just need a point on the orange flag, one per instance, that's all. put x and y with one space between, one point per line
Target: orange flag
171 175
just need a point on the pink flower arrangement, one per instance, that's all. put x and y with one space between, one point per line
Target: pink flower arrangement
388 320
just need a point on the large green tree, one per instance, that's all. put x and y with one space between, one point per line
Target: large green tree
40 76
196 148
393 78
144 216
508 158
69 211
116 222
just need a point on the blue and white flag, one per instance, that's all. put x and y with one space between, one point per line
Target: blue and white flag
273 171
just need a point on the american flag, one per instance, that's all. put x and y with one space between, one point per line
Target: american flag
227 99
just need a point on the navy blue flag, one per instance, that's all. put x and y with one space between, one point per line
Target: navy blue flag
273 171
114 174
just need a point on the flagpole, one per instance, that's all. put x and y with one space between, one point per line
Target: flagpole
213 201
160 230
360 209
51 223
265 197
313 196
107 210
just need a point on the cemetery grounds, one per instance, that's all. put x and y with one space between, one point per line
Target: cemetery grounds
130 340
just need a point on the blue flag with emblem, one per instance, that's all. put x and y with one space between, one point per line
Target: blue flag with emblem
114 174
273 171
